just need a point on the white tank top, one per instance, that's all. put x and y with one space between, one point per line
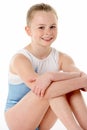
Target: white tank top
48 64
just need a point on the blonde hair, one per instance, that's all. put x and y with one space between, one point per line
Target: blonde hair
38 7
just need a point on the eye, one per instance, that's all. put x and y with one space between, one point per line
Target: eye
52 27
42 27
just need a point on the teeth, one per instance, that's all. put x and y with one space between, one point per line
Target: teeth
46 38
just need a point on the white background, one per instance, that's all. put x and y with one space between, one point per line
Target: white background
72 37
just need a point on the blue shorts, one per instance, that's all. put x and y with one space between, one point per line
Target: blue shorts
15 94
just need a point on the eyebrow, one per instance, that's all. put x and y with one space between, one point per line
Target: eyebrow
45 24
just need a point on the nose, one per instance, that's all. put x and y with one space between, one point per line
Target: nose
48 31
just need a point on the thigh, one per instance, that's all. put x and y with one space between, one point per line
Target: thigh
27 113
48 120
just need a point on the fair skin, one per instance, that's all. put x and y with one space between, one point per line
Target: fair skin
43 101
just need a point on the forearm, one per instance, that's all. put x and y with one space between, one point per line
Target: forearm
58 76
63 87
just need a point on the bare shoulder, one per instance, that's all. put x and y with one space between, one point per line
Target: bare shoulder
65 57
66 62
18 61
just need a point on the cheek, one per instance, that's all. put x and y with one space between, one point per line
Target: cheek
33 34
36 34
55 33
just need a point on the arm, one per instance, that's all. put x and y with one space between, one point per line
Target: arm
63 87
42 82
21 66
59 88
69 65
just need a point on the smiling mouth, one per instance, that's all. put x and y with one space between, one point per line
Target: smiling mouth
47 39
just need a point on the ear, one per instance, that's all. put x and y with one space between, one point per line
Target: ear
27 29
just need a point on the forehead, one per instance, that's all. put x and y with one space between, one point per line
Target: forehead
43 17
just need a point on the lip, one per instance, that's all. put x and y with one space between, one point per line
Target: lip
47 39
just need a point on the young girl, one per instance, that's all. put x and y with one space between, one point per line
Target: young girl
44 84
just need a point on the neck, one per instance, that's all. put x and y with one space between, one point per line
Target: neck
39 52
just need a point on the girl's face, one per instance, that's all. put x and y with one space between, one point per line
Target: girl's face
43 28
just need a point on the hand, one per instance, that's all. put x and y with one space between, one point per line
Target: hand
41 83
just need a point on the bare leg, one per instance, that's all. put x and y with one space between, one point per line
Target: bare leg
27 114
79 108
36 107
48 120
62 109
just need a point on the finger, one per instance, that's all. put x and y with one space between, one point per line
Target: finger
37 91
42 93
